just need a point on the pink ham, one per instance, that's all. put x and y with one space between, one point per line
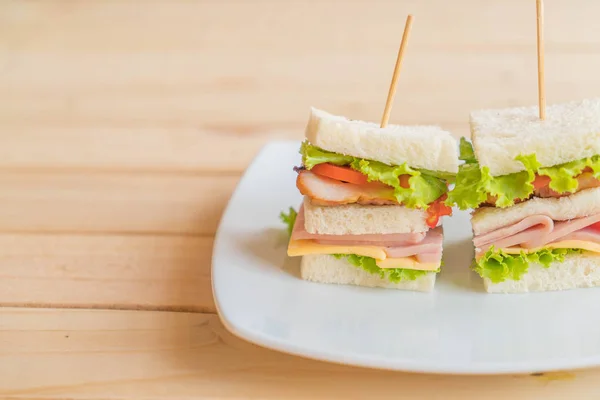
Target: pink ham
390 239
537 231
431 244
537 224
585 234
433 257
561 230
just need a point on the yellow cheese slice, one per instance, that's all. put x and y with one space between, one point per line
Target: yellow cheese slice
565 244
307 246
407 263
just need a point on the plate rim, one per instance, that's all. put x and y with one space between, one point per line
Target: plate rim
359 362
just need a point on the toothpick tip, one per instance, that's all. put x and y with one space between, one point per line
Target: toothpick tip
392 90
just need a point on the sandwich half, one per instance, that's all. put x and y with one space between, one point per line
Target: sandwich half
535 190
373 200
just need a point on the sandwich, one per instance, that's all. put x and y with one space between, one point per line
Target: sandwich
535 189
373 199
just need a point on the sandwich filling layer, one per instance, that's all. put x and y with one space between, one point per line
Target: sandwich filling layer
422 250
538 231
332 179
475 185
396 256
499 266
506 252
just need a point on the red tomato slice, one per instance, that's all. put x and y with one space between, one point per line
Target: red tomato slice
541 181
436 210
347 174
432 220
595 226
344 174
404 181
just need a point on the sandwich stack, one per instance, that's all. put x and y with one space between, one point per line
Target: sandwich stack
373 201
535 188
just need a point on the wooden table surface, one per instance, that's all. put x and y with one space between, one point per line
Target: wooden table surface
124 128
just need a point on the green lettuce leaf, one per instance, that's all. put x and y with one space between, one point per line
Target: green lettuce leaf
424 188
508 188
466 152
530 162
445 176
469 189
563 179
313 155
563 176
474 184
289 219
393 275
594 164
499 266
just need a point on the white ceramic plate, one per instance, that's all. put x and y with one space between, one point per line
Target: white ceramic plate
458 328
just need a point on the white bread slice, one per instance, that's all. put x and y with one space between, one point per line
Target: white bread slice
577 271
571 131
357 219
580 204
324 268
427 147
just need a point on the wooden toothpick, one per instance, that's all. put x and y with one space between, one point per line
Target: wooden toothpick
392 91
540 56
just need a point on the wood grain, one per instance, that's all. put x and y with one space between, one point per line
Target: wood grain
152 203
202 85
104 148
124 129
106 271
81 354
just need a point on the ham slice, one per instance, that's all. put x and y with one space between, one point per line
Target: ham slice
327 192
585 234
433 257
561 230
537 231
517 233
431 244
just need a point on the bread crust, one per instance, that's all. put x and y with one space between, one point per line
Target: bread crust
357 219
324 268
571 131
419 146
577 271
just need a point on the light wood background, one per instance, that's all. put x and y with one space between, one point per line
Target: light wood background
125 125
